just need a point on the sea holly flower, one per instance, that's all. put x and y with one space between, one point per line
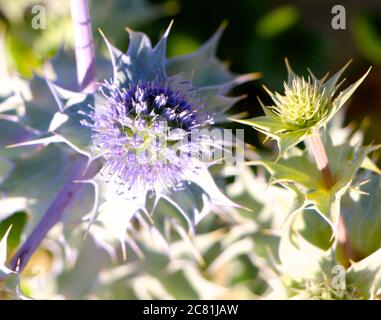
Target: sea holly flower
144 134
141 122
138 129
307 105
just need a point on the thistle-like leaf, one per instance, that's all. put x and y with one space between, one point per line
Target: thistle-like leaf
9 281
362 213
345 160
312 273
38 179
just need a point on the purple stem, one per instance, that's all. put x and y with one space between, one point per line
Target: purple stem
84 45
54 213
86 77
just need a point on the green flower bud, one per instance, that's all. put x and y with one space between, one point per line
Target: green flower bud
305 107
303 104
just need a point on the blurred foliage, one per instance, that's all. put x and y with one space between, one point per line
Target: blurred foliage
28 48
367 34
17 221
277 21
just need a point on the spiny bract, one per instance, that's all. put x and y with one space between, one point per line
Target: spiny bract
145 123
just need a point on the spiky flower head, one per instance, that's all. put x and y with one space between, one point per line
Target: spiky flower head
143 123
303 104
306 105
146 136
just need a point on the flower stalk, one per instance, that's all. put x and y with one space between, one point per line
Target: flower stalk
84 45
316 146
321 159
86 78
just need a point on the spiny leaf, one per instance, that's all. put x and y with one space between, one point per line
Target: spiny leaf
365 275
38 179
9 281
347 93
300 260
296 168
362 214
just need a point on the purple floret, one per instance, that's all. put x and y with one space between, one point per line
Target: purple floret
144 134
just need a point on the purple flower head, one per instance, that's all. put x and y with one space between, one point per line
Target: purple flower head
145 121
148 127
144 133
